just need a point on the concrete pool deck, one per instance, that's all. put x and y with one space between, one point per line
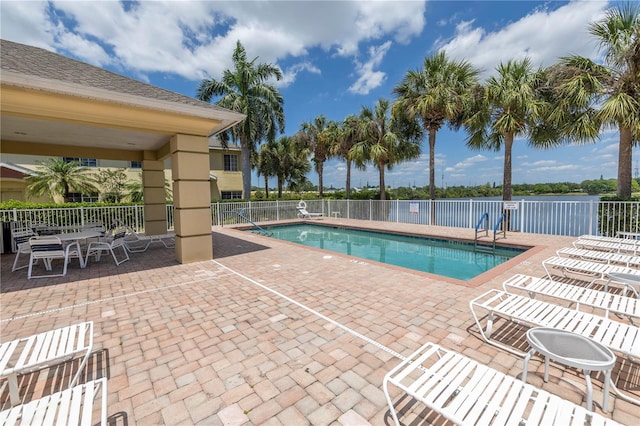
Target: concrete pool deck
271 332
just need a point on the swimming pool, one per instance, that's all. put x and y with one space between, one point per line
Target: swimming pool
448 258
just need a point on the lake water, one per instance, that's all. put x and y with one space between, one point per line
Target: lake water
571 215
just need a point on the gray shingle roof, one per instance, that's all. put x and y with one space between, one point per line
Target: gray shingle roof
29 60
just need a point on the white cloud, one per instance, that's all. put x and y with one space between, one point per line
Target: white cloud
466 163
289 75
540 163
543 36
195 39
370 78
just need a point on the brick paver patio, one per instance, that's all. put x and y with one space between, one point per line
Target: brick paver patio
270 332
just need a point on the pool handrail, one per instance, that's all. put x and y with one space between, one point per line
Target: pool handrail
241 215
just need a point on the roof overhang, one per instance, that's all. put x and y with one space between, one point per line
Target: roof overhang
37 112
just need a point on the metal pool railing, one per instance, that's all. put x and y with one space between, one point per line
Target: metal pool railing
570 218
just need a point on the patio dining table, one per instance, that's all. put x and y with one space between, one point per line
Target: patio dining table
67 237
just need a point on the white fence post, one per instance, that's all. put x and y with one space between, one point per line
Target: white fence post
471 213
591 227
522 204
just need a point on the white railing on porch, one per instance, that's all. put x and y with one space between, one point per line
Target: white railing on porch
571 218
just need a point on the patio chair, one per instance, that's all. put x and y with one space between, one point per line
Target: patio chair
136 243
469 393
616 335
72 406
303 213
596 270
48 249
618 240
21 238
622 259
622 246
43 350
110 244
575 295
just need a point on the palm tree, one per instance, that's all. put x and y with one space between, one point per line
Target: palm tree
266 164
386 141
343 138
245 90
315 137
57 177
437 94
509 105
290 162
590 96
135 190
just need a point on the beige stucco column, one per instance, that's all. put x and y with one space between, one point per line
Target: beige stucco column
191 198
155 210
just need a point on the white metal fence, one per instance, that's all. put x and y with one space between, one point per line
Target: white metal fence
570 218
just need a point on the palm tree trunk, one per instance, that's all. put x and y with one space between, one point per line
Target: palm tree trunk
280 184
506 179
246 168
432 164
383 192
348 191
624 163
67 191
266 186
320 183
432 173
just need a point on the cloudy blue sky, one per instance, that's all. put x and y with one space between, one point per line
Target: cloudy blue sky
336 56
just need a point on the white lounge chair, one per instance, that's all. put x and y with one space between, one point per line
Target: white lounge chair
575 295
72 406
136 243
303 213
616 335
609 239
621 246
469 393
622 259
598 271
43 350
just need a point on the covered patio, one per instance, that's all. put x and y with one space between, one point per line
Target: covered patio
52 105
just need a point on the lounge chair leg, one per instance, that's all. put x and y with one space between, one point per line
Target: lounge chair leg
489 328
14 396
385 388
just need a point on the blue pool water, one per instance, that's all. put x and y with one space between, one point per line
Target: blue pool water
448 258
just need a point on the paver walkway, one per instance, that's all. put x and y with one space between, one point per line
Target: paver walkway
268 332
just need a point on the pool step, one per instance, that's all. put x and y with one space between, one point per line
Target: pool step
484 248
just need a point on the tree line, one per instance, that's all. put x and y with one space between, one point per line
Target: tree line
570 101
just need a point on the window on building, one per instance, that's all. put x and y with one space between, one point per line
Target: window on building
76 197
135 164
84 162
231 195
230 163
